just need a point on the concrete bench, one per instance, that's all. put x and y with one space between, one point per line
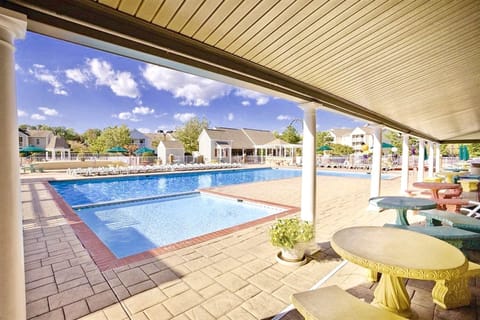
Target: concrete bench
332 303
457 220
455 236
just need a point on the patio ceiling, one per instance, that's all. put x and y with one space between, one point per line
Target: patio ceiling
411 65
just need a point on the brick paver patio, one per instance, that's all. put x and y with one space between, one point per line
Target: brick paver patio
233 276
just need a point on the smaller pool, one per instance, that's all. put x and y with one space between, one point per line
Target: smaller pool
132 227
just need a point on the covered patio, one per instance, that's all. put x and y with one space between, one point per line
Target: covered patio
412 67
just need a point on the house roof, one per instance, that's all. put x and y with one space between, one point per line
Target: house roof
57 143
259 137
172 144
39 133
340 132
237 136
410 65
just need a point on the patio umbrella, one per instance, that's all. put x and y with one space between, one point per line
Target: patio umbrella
324 148
143 150
387 145
32 149
463 153
117 149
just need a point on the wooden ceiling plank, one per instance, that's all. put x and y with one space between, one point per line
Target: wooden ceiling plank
129 6
319 45
148 9
415 60
200 17
329 27
375 43
216 19
166 12
249 22
229 23
265 26
111 3
184 14
294 27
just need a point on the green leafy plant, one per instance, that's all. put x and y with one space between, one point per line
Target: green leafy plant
286 233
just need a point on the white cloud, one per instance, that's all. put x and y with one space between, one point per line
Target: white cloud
230 116
18 68
245 103
48 112
77 75
284 117
43 74
144 130
126 116
260 98
143 110
21 113
184 117
120 82
192 90
37 116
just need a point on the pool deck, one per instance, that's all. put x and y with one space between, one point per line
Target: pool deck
227 276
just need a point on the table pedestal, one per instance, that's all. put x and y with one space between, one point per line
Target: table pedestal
450 294
391 294
402 217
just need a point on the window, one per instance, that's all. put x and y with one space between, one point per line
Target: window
20 141
38 141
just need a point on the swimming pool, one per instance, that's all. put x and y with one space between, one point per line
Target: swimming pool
138 226
91 191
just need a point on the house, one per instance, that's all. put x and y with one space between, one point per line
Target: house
221 144
39 138
355 138
22 138
139 139
171 152
58 145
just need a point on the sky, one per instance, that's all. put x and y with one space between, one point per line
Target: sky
64 84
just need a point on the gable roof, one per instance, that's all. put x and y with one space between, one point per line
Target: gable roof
341 132
39 133
237 136
57 143
259 137
172 144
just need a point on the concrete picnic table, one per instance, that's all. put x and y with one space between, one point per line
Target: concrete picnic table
402 204
435 187
398 254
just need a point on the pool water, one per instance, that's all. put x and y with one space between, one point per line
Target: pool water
90 191
138 226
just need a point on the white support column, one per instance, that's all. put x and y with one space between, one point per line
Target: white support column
405 165
438 158
421 160
376 162
309 173
12 279
431 157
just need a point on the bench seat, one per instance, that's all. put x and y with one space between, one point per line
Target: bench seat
452 235
457 220
330 303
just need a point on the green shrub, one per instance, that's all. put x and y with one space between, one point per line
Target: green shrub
286 233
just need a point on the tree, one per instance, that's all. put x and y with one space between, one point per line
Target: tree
91 135
340 149
324 138
291 135
189 133
110 137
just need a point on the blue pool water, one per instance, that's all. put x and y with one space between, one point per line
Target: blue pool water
84 192
134 227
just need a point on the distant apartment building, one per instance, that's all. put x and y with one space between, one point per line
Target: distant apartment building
355 137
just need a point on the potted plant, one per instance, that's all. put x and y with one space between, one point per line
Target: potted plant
291 235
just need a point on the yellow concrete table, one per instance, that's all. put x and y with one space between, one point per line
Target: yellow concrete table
399 254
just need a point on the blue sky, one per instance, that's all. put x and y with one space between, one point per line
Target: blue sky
63 84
